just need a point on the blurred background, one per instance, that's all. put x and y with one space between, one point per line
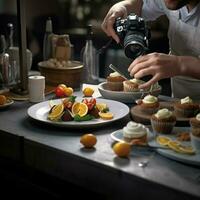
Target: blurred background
71 17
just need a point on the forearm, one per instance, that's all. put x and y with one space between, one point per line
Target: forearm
189 66
133 6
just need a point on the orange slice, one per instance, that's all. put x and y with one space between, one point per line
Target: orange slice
106 116
162 140
101 106
56 112
80 109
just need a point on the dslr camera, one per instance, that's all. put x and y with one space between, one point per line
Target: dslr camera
133 34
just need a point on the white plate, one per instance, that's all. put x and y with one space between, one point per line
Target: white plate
8 103
189 159
40 111
125 97
118 135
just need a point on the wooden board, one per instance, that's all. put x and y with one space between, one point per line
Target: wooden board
141 117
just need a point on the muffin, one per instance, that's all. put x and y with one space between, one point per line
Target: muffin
186 107
195 132
149 104
135 133
115 82
132 85
163 121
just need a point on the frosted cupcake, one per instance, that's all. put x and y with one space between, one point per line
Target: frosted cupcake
149 104
132 85
135 133
115 82
195 132
186 107
163 121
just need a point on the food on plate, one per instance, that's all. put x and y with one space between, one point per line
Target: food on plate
88 140
115 82
3 99
163 121
69 109
149 104
88 91
122 149
174 145
186 107
135 133
195 132
184 136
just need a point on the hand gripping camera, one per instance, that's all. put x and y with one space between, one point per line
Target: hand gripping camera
134 35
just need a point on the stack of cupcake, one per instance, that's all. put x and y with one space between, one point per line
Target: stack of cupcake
115 82
195 132
163 121
135 133
186 108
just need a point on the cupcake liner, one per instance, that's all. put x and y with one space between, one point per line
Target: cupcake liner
185 112
130 87
160 127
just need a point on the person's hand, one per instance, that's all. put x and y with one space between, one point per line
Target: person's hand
158 65
118 10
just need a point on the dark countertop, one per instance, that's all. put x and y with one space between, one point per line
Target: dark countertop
58 152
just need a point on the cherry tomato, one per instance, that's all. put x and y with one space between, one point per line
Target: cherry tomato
59 91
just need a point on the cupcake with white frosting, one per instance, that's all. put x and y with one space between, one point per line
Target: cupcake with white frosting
115 82
195 132
186 107
135 133
149 104
132 85
163 121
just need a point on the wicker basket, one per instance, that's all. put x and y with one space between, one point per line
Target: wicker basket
70 75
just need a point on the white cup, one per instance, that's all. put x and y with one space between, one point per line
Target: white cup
36 86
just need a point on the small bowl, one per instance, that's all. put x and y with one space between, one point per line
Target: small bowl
125 97
195 141
70 75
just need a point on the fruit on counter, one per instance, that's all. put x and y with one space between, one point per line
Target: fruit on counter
3 99
106 116
56 112
68 91
80 109
88 92
88 140
59 91
122 149
62 85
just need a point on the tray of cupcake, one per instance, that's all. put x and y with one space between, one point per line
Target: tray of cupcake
118 88
183 109
178 143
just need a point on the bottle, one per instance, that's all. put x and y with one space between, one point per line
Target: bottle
90 59
47 43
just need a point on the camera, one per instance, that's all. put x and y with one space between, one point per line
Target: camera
133 34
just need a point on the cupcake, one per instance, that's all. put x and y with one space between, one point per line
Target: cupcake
132 85
186 107
115 82
149 104
163 121
195 132
135 133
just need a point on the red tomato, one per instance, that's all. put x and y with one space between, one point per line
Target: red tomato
59 91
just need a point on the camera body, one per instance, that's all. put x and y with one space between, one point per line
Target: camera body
134 35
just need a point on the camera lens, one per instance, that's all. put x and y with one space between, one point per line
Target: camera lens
134 45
